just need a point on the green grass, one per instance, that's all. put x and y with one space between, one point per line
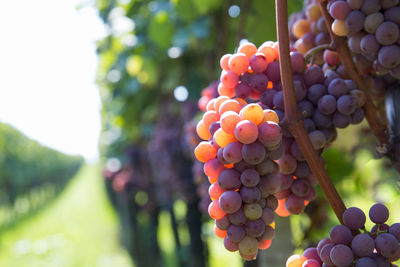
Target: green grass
79 228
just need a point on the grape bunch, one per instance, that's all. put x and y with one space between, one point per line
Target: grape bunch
352 245
326 102
236 160
372 28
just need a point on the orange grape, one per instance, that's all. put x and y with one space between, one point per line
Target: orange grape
265 244
313 12
215 211
224 61
213 168
270 115
301 27
219 100
253 112
205 151
202 130
268 51
246 132
241 101
222 138
215 191
239 63
228 121
229 78
210 104
295 261
230 105
226 91
281 210
219 233
209 117
247 48
339 28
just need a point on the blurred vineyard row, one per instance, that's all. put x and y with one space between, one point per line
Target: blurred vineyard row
31 174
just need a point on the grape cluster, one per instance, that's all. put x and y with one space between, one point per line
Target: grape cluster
240 171
352 245
372 28
326 101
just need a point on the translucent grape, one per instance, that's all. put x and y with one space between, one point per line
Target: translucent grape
239 63
215 211
229 79
205 151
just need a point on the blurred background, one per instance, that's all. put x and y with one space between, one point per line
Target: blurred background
98 107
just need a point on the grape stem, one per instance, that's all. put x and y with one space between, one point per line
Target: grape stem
311 53
292 120
339 43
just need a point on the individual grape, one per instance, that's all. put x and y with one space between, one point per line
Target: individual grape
238 217
223 223
238 63
306 108
300 27
315 92
311 263
250 194
229 78
247 48
272 202
219 233
322 38
386 4
250 178
224 62
312 253
295 261
223 90
313 75
370 6
294 204
355 21
369 44
387 245
202 130
278 101
215 191
266 167
354 42
340 234
253 153
327 104
389 56
248 245
259 82
268 50
220 156
210 117
354 218
214 127
337 87
269 233
341 121
252 211
321 120
205 151
213 168
321 244
229 179
346 104
339 27
230 245
339 10
229 120
355 4
273 71
302 170
254 228
230 201
232 153
269 184
267 216
253 113
325 254
222 138
300 187
215 211
269 134
363 245
270 115
387 33
298 61
299 90
229 105
267 97
313 12
372 22
317 139
392 14
287 164
366 261
395 230
264 244
258 63
382 227
341 255
242 90
331 57
378 213
246 132
236 233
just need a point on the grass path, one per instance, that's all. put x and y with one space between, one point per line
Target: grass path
78 229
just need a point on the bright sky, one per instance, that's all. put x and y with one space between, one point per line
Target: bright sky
47 72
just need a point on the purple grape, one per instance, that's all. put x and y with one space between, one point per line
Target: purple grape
223 223
299 90
232 153
278 100
300 187
269 233
230 201
386 4
298 61
302 170
294 204
387 33
277 153
341 255
286 181
315 92
321 244
389 56
366 262
250 177
339 10
309 125
341 121
327 104
272 202
355 21
254 228
269 184
378 213
253 153
313 75
267 97
357 116
242 90
258 63
312 253
354 218
229 179
354 42
273 71
259 82
250 194
321 120
370 6
369 44
337 87
236 233
325 254
322 38
387 245
268 216
237 218
306 108
393 15
395 230
363 245
346 104
230 245
340 234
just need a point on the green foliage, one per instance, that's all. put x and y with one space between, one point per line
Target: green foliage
26 164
